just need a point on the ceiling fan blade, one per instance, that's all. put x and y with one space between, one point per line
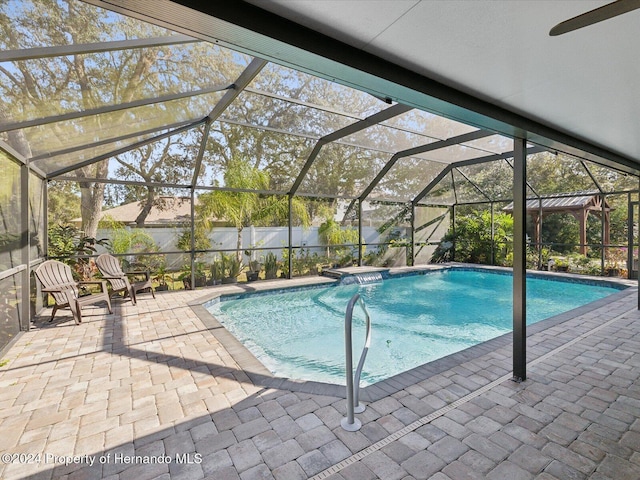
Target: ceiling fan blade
594 16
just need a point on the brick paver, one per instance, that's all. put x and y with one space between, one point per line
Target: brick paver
150 392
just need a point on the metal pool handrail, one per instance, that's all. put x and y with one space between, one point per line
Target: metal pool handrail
350 423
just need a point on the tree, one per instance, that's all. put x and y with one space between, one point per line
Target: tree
244 208
472 241
332 233
166 162
46 87
63 202
276 136
52 86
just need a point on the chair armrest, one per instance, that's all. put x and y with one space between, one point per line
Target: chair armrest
95 282
60 288
146 273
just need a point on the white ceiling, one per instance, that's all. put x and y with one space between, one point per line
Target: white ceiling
585 83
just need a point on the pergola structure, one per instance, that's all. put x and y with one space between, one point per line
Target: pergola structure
238 83
579 206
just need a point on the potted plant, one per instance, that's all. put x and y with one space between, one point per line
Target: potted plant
270 266
162 277
616 258
185 276
217 272
561 265
612 269
231 268
200 276
254 271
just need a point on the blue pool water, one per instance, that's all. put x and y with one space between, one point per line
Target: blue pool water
415 319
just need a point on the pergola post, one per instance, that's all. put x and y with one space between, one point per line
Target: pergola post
583 215
519 260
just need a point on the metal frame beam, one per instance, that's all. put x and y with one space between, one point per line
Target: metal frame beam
473 184
247 75
473 161
603 214
519 261
66 151
360 238
17 156
432 184
467 137
302 103
386 114
110 108
493 235
453 187
142 143
412 255
25 280
324 109
510 200
593 179
201 150
302 135
12 152
535 192
88 48
244 79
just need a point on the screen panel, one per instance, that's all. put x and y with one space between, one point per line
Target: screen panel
342 170
386 233
275 155
10 213
406 179
431 225
429 124
113 125
288 83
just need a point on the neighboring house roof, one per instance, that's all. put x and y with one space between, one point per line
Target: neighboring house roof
168 211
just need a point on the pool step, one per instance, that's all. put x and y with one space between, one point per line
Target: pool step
331 273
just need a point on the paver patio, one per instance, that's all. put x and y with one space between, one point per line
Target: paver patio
150 392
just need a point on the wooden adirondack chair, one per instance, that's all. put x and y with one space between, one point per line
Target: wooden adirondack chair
111 270
56 279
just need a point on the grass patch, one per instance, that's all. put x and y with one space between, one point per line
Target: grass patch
4 362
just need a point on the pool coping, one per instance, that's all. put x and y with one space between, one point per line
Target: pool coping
262 377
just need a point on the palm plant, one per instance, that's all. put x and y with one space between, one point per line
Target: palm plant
243 208
270 266
332 233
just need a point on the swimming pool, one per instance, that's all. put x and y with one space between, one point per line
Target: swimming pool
415 319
